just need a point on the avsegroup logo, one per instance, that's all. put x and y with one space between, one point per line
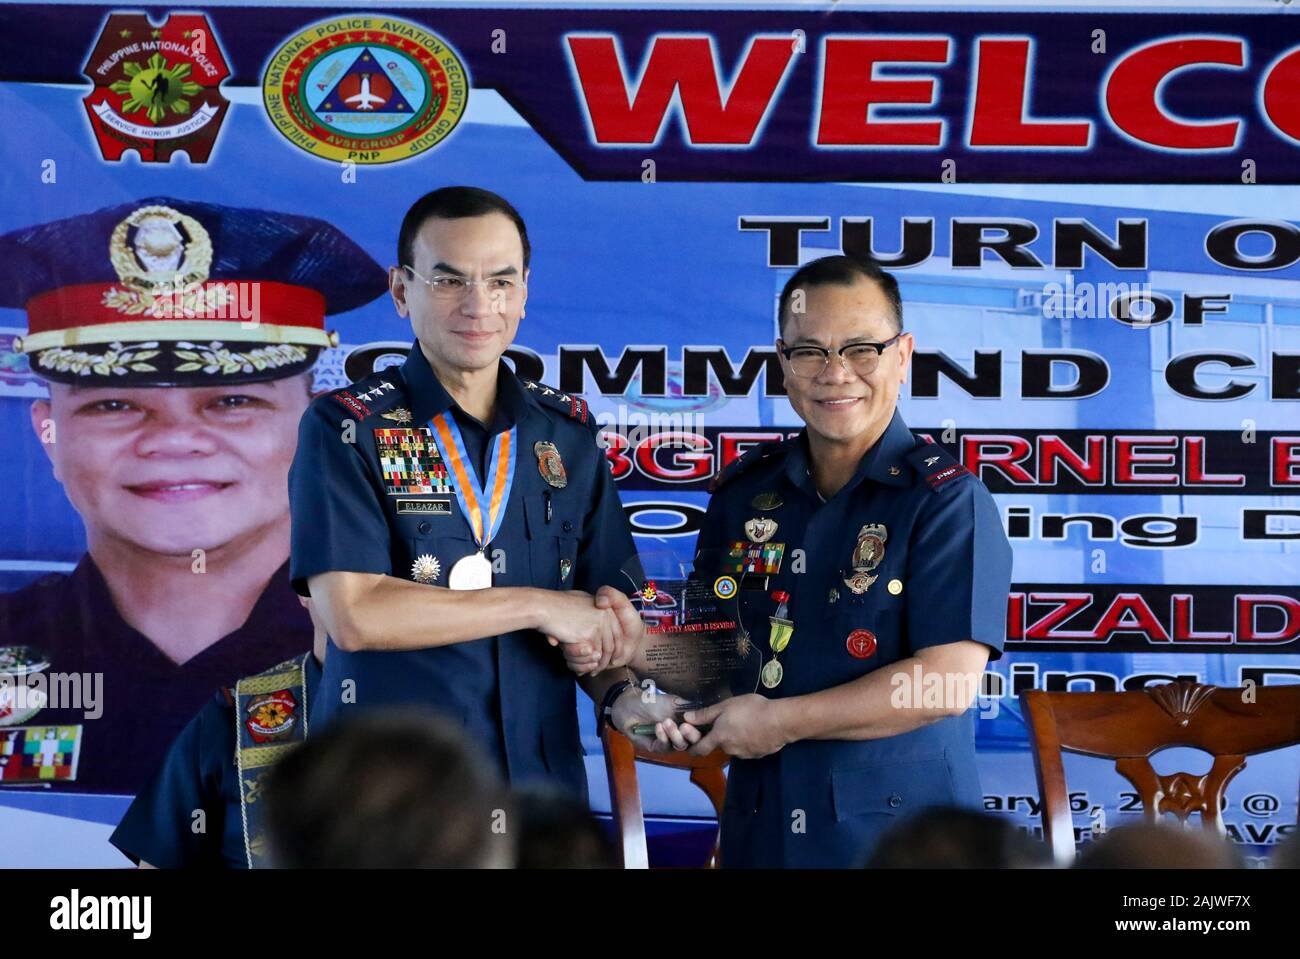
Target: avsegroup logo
365 89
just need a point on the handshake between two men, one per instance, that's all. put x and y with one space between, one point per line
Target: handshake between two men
605 631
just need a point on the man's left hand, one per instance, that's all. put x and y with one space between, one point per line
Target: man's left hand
746 727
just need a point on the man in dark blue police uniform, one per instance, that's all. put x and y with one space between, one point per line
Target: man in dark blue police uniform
874 575
196 813
447 515
177 339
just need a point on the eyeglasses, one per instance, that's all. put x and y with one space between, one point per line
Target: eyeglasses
448 286
858 358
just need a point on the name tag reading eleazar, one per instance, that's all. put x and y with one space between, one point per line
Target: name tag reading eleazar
438 507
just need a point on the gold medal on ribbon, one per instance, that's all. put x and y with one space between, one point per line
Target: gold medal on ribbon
484 507
782 631
781 634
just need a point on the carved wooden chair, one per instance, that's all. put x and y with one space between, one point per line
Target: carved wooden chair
621 757
1129 727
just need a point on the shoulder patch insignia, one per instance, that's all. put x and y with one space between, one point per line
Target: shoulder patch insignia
375 395
935 464
351 403
572 405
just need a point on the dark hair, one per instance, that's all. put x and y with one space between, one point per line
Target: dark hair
956 838
1286 854
842 269
558 832
1158 845
384 790
455 203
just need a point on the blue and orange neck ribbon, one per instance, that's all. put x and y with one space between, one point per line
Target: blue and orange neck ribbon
472 497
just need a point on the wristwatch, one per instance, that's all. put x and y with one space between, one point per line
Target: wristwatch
607 701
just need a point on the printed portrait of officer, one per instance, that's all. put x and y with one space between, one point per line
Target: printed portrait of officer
177 340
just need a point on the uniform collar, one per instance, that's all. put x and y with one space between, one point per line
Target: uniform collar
883 462
428 397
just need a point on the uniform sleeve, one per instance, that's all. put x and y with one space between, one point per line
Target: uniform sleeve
607 555
958 570
338 522
160 824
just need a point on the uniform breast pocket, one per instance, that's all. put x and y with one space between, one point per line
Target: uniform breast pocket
554 533
867 635
433 553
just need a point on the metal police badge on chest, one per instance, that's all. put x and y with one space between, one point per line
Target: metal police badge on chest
410 462
867 555
760 529
550 465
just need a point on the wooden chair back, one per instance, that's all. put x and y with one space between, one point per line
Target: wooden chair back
1229 724
621 757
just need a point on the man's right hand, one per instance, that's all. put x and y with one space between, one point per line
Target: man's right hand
573 618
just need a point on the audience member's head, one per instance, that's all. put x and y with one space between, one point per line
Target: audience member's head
558 832
1158 846
951 838
386 791
1287 853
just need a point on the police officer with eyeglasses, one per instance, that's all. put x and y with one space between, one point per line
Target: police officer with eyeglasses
454 523
875 644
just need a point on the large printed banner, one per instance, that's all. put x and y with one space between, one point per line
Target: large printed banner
1091 217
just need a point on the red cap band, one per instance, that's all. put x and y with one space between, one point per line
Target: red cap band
262 302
